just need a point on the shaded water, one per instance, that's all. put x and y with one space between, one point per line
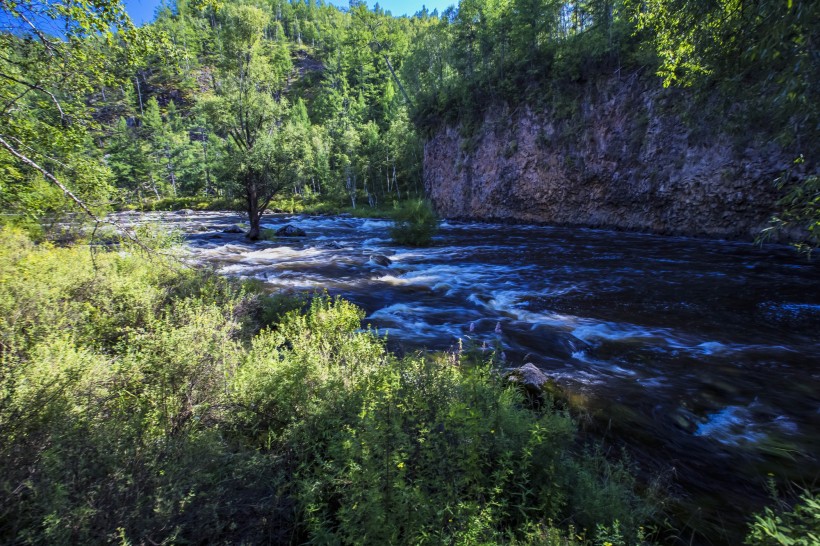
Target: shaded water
700 356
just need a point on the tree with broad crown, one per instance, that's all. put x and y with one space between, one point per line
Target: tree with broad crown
246 106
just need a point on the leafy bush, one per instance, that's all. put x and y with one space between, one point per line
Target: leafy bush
788 526
415 223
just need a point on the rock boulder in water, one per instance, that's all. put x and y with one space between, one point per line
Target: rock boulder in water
540 388
290 231
530 378
233 229
383 261
684 420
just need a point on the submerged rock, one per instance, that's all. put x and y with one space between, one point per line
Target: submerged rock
333 245
383 261
233 229
184 212
290 231
684 420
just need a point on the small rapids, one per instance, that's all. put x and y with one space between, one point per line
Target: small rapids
701 356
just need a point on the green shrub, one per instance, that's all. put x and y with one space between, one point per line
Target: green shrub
788 526
415 223
396 451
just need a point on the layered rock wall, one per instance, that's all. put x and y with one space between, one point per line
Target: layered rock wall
621 158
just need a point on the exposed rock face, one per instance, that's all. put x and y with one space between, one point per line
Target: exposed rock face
622 159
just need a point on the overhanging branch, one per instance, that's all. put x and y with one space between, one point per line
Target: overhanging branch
71 196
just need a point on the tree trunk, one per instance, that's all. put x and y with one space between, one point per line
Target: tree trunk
253 211
254 231
139 93
171 171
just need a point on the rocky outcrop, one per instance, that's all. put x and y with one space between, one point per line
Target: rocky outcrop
530 378
383 261
290 231
617 157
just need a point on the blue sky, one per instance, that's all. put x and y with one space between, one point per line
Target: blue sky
142 11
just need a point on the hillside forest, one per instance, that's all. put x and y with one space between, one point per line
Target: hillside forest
308 101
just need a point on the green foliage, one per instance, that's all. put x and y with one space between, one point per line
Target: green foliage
415 223
140 402
800 206
46 125
194 203
760 60
798 525
511 52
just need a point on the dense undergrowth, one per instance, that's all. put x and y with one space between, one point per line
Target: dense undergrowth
143 402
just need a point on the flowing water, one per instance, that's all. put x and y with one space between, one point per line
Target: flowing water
701 357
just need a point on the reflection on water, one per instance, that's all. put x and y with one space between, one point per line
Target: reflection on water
703 354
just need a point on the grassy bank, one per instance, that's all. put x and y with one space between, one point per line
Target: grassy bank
142 402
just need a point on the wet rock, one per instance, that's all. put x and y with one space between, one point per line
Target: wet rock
719 385
540 388
201 228
290 231
233 229
184 212
383 261
530 378
684 420
333 245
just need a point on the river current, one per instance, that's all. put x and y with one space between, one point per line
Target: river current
700 357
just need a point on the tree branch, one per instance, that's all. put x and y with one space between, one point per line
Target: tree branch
70 195
37 31
38 88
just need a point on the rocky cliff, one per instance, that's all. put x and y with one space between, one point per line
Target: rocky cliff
618 155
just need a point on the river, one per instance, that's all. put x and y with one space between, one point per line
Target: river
699 357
